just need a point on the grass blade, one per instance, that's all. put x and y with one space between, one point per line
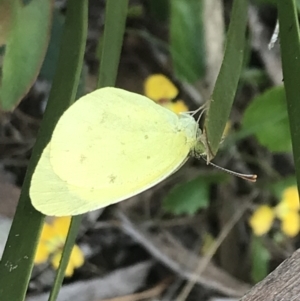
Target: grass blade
228 78
112 44
290 53
112 41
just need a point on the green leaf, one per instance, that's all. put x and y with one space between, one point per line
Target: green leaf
65 257
266 118
189 197
290 54
112 42
25 49
298 5
219 105
260 259
186 39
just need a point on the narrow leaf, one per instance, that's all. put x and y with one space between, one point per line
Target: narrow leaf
112 41
186 39
111 52
290 53
219 105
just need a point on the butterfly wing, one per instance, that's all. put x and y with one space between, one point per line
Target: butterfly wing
107 147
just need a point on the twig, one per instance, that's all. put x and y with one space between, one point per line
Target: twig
150 293
183 261
211 252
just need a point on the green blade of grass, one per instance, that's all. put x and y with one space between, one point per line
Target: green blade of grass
68 247
187 39
115 18
78 12
290 54
17 260
226 85
112 44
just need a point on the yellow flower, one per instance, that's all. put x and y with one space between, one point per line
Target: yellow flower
262 220
291 198
287 211
177 107
51 243
160 89
290 225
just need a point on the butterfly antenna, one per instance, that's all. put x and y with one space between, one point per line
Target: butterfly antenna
250 178
203 108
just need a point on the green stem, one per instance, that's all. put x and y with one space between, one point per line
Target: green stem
290 54
68 247
115 18
112 44
227 82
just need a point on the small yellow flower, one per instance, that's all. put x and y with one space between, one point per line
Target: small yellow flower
262 220
51 243
287 211
291 197
160 89
290 225
177 107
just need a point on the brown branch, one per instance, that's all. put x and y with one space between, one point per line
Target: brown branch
283 284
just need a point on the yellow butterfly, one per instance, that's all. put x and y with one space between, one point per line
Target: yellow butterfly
108 146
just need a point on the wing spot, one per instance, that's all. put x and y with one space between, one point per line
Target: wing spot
82 158
112 178
148 157
146 137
